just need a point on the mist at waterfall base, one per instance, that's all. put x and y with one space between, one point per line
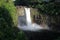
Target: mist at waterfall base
25 23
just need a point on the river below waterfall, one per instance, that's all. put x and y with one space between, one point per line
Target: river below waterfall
42 35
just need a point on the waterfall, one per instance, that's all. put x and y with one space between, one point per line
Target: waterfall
25 22
28 16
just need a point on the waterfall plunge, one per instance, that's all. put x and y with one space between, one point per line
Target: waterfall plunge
29 26
28 18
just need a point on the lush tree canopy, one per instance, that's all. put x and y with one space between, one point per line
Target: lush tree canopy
8 22
46 7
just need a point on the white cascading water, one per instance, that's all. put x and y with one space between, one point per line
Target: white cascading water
29 26
28 18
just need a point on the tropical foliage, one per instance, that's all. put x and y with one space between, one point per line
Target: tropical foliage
8 22
46 7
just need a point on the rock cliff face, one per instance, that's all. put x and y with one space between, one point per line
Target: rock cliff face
53 22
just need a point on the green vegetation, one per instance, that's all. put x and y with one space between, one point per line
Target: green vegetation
8 17
8 22
49 7
50 11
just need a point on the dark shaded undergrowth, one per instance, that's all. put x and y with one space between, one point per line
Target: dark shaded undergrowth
7 29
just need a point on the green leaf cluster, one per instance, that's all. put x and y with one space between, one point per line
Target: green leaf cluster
8 22
46 7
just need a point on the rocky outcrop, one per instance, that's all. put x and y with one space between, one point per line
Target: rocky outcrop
53 22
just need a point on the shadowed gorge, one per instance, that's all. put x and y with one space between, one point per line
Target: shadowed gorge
37 32
48 15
